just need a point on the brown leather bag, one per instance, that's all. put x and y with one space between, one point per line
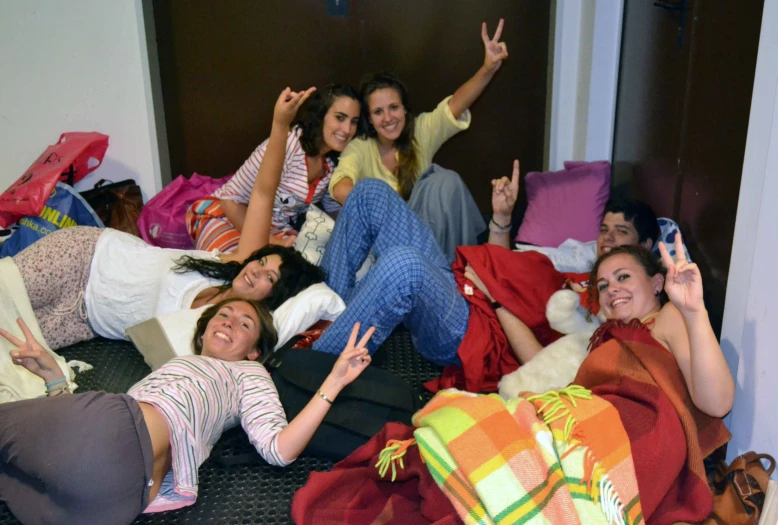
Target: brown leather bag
739 490
117 204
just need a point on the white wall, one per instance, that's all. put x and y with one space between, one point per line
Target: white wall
80 65
587 45
750 329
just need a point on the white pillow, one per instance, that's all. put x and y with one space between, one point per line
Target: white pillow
165 337
315 234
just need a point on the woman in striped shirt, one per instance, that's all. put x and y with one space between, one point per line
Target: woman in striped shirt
104 458
322 129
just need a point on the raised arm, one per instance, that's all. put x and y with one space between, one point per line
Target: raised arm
504 195
293 439
256 224
494 54
521 339
691 338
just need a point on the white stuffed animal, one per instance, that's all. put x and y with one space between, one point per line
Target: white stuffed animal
556 365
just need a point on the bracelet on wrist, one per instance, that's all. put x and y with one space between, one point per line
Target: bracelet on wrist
54 392
58 381
499 232
323 396
500 226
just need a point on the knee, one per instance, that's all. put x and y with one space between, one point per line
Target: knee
370 189
450 185
403 265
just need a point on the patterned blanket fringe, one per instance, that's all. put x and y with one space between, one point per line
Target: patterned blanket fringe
393 454
610 503
596 479
554 407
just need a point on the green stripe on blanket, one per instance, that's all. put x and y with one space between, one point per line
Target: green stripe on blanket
559 458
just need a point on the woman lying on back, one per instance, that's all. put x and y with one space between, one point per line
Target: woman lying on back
628 283
104 458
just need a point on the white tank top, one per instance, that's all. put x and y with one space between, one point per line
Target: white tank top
131 282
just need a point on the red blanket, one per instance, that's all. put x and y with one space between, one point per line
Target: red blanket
354 493
669 436
520 281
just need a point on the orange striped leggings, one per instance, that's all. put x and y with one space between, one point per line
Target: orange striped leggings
209 228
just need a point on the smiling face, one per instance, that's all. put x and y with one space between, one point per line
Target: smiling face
387 114
625 291
340 124
257 278
232 334
615 231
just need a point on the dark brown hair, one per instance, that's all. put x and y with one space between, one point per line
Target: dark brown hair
266 340
408 167
297 273
647 260
310 117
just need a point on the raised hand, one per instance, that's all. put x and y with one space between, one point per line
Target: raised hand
354 358
683 283
504 194
494 50
473 278
288 103
32 356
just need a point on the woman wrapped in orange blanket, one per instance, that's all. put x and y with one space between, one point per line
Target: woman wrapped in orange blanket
661 366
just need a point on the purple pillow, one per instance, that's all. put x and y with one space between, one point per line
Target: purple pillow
566 204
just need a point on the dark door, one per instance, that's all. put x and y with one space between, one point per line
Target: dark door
223 65
685 83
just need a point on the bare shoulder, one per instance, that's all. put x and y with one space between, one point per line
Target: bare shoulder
669 328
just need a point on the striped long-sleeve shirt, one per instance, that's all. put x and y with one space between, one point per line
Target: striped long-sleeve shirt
200 397
294 193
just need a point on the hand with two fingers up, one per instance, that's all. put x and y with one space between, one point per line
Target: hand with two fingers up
31 355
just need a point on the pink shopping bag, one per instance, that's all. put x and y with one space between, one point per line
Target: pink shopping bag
73 157
163 219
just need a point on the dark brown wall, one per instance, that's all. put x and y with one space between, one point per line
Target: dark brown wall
682 119
223 65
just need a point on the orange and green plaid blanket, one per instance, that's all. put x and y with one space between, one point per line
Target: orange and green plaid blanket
557 458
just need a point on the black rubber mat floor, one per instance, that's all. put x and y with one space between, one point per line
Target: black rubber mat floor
248 493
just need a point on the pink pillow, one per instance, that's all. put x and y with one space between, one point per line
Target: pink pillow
565 204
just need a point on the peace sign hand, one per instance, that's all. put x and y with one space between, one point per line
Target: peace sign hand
287 105
505 192
32 356
683 283
494 50
354 359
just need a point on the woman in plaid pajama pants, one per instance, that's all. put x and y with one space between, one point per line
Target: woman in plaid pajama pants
411 282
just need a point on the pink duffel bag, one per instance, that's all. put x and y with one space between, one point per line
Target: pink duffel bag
163 219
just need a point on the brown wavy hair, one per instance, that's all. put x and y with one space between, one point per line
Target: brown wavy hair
408 167
266 341
647 260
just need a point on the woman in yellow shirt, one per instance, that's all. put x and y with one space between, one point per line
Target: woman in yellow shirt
397 147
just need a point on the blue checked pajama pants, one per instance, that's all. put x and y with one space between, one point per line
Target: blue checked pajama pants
411 281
